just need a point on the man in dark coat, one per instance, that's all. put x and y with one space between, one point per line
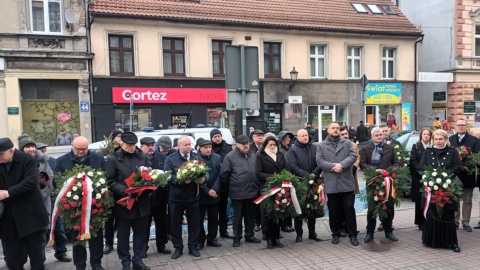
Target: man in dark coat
120 166
158 200
183 197
209 195
462 138
302 161
380 156
24 216
238 171
82 156
257 140
362 133
222 148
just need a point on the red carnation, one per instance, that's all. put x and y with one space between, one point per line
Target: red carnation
76 228
63 200
314 189
278 197
94 211
466 152
73 204
105 194
309 196
91 227
79 213
100 210
384 207
144 174
98 205
148 178
72 216
287 189
66 206
319 181
78 237
381 198
385 173
377 180
461 158
94 201
275 205
441 205
375 192
286 194
289 200
394 175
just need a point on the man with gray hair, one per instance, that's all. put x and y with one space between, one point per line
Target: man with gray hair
380 156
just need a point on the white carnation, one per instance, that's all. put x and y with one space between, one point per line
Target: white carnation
310 182
282 191
449 181
98 196
439 180
445 185
375 198
277 202
79 184
444 174
90 174
76 197
74 188
424 176
97 184
381 193
103 190
434 174
430 183
99 173
79 175
435 187
398 153
101 181
69 194
284 201
425 183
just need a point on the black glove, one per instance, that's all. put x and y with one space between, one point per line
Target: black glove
133 195
354 170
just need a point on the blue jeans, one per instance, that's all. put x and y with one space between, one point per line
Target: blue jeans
61 240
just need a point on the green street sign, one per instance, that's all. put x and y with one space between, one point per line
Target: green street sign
13 110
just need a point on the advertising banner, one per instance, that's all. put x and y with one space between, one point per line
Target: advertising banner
168 95
406 116
383 93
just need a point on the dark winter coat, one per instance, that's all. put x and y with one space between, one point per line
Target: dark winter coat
119 167
212 180
24 208
160 196
238 170
284 149
362 133
473 143
68 161
388 158
302 159
180 192
415 158
222 150
265 167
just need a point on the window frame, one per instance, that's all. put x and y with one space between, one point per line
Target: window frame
269 56
174 51
385 60
221 54
351 60
46 17
476 37
121 49
316 57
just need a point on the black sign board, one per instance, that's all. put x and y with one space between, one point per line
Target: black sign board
469 107
272 122
439 96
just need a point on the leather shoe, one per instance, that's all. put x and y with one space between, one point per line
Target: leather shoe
226 235
140 266
456 248
177 254
315 237
236 242
368 237
200 246
256 228
63 258
277 243
97 267
164 250
343 233
298 239
269 244
391 237
194 253
107 249
354 241
213 244
287 229
335 239
253 239
467 227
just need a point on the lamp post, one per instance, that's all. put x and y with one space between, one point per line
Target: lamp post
293 78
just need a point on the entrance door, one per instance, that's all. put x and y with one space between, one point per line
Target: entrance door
325 118
372 114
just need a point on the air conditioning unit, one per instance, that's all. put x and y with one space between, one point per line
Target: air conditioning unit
253 112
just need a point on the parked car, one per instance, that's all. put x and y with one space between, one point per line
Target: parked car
409 139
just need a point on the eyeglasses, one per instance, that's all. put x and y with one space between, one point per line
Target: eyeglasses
461 125
80 149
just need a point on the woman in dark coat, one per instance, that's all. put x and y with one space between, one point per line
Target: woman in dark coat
269 161
441 232
415 157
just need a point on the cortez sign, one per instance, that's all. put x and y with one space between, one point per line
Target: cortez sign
169 95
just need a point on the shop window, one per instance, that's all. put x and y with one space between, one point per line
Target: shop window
181 121
218 57
354 58
477 40
46 16
173 56
317 61
476 94
49 89
140 119
121 55
388 61
271 59
217 117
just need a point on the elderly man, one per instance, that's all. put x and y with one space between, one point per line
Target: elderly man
335 156
82 156
64 138
462 138
302 160
257 137
158 200
164 145
238 171
183 197
380 156
120 166
25 216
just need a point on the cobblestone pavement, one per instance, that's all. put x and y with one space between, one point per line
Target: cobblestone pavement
407 253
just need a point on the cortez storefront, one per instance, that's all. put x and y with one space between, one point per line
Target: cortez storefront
155 102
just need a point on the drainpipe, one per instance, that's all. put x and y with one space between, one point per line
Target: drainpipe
415 80
88 25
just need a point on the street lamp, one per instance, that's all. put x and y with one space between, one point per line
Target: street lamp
293 78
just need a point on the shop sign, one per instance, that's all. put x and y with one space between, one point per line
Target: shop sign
295 99
469 107
437 106
168 95
383 93
13 110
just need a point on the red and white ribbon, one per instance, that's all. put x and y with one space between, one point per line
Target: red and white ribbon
322 195
274 190
428 198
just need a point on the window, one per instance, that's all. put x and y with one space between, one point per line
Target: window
317 61
374 9
359 8
271 60
121 55
354 56
388 61
477 40
388 9
218 57
173 56
46 16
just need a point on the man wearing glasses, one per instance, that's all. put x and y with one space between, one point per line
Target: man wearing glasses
462 138
84 157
